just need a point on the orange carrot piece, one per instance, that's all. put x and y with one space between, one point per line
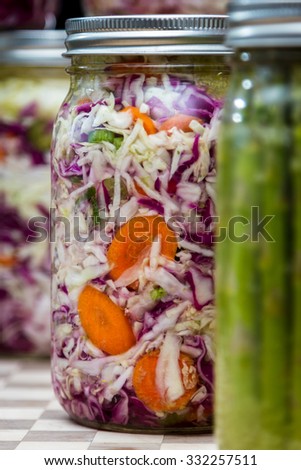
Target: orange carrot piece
84 100
148 123
136 236
144 383
8 261
139 189
104 322
180 121
2 154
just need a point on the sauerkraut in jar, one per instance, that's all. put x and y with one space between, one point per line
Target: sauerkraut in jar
31 91
134 205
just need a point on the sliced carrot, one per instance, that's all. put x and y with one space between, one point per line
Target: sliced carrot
180 121
2 153
144 383
8 261
139 189
84 100
134 237
104 322
148 123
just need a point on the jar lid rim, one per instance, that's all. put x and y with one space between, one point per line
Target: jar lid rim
263 36
261 23
201 23
33 47
128 34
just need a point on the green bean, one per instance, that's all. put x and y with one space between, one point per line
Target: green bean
296 183
237 407
254 288
274 143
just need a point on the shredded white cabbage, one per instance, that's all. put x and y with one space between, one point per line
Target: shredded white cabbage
168 373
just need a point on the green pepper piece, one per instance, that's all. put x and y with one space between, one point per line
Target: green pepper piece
109 184
76 179
157 293
101 135
92 198
118 142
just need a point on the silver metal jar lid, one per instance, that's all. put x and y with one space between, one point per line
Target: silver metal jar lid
39 48
141 34
264 23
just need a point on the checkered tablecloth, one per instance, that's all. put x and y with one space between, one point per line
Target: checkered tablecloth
31 417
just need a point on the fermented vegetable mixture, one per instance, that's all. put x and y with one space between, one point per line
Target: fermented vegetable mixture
133 292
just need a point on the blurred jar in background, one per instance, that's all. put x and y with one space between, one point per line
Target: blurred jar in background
132 7
258 274
16 14
32 85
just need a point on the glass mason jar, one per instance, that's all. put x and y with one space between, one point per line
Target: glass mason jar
133 179
258 378
32 86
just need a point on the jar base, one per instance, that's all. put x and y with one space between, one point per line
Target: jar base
206 429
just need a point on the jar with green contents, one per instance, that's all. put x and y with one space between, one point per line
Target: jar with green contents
33 83
258 383
133 178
